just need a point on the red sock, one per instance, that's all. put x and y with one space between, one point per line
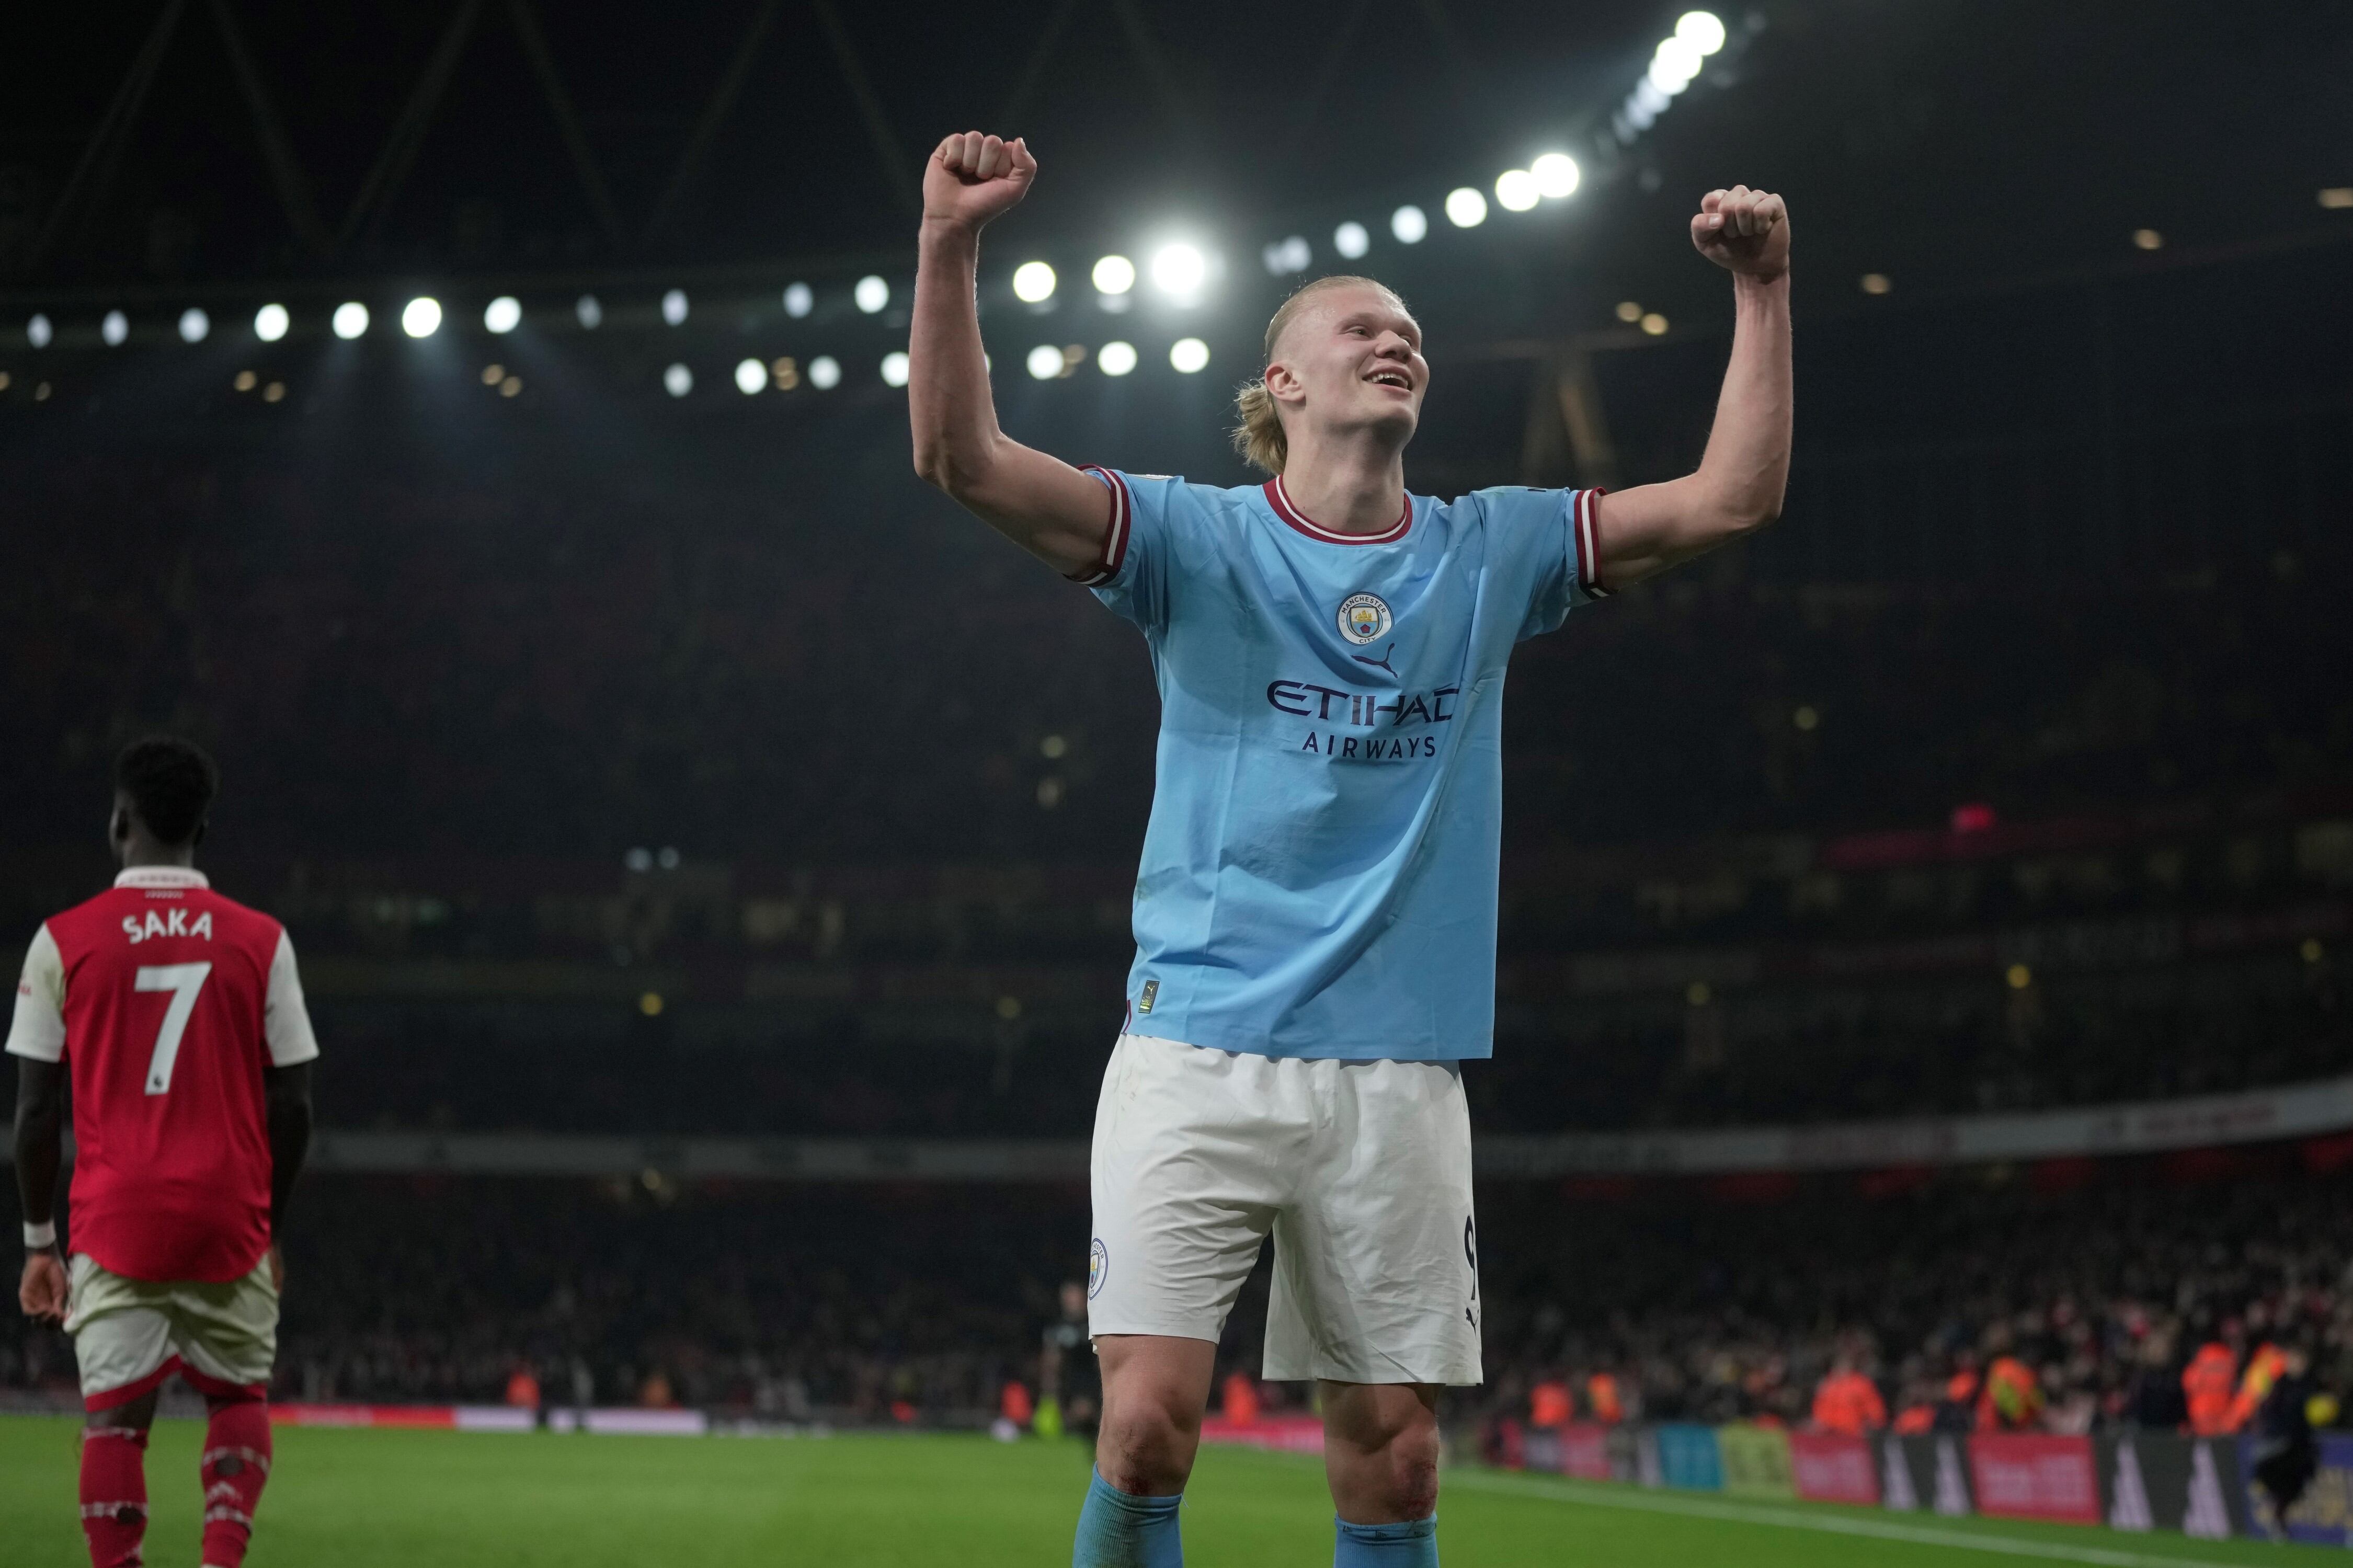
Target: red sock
236 1463
114 1494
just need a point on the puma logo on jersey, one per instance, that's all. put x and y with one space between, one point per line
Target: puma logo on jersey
159 923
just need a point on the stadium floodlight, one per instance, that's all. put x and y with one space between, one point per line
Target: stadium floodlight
38 332
751 376
194 325
1033 282
503 315
1351 240
421 317
678 381
1465 208
871 293
115 329
1515 191
1189 355
1286 257
270 322
1045 362
1116 357
674 307
1114 275
350 319
1410 224
1179 270
590 313
825 373
1702 30
1555 174
799 299
1673 66
895 368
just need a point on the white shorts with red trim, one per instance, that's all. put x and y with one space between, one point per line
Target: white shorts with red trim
130 1335
1361 1170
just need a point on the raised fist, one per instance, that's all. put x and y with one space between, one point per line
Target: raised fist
973 178
1744 231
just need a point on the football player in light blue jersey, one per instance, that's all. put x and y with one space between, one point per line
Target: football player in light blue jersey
1315 910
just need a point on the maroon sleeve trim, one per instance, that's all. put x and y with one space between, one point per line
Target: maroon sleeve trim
1585 524
1115 532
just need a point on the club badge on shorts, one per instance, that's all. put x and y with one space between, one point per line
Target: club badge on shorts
1364 619
1098 1267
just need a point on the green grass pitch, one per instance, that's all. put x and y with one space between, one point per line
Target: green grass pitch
443 1500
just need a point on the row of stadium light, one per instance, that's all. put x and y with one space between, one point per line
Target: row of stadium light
422 317
1047 361
1179 270
1675 66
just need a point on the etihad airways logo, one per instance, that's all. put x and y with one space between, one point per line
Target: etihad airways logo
1350 713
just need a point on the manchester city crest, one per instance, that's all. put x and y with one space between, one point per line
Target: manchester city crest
1364 619
1098 1266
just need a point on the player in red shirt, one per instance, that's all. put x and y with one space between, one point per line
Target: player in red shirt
179 1016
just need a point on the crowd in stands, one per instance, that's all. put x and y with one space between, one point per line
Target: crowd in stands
2061 1298
2074 1295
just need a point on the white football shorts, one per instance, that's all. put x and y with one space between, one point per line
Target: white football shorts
1362 1170
130 1335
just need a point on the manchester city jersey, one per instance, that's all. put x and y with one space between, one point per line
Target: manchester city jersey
1319 877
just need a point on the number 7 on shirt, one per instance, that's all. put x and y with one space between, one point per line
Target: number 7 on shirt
183 981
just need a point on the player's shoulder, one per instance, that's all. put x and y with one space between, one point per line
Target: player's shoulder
137 911
1502 502
1175 493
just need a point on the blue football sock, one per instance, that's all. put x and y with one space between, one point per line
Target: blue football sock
1116 1531
1412 1545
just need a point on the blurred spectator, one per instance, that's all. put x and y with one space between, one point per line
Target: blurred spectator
1847 1401
2206 1389
2286 1456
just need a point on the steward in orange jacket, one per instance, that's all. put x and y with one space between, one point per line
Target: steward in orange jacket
2207 1382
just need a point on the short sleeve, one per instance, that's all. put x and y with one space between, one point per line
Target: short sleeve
38 1030
1141 546
285 1020
1544 544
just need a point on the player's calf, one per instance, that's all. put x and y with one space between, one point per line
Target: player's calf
235 1465
114 1492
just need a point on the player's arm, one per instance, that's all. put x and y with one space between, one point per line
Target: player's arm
37 1038
292 1048
39 1151
1738 485
1041 503
287 1091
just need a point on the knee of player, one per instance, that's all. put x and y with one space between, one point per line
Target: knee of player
1413 1478
1144 1449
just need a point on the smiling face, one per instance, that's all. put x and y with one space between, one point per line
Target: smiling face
1349 361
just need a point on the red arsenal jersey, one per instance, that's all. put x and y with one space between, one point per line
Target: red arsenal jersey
166 1001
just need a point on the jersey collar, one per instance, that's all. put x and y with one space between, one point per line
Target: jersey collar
1279 499
161 877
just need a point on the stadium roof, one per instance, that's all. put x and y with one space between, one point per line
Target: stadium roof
166 142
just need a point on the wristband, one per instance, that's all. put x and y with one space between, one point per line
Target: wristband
38 1237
